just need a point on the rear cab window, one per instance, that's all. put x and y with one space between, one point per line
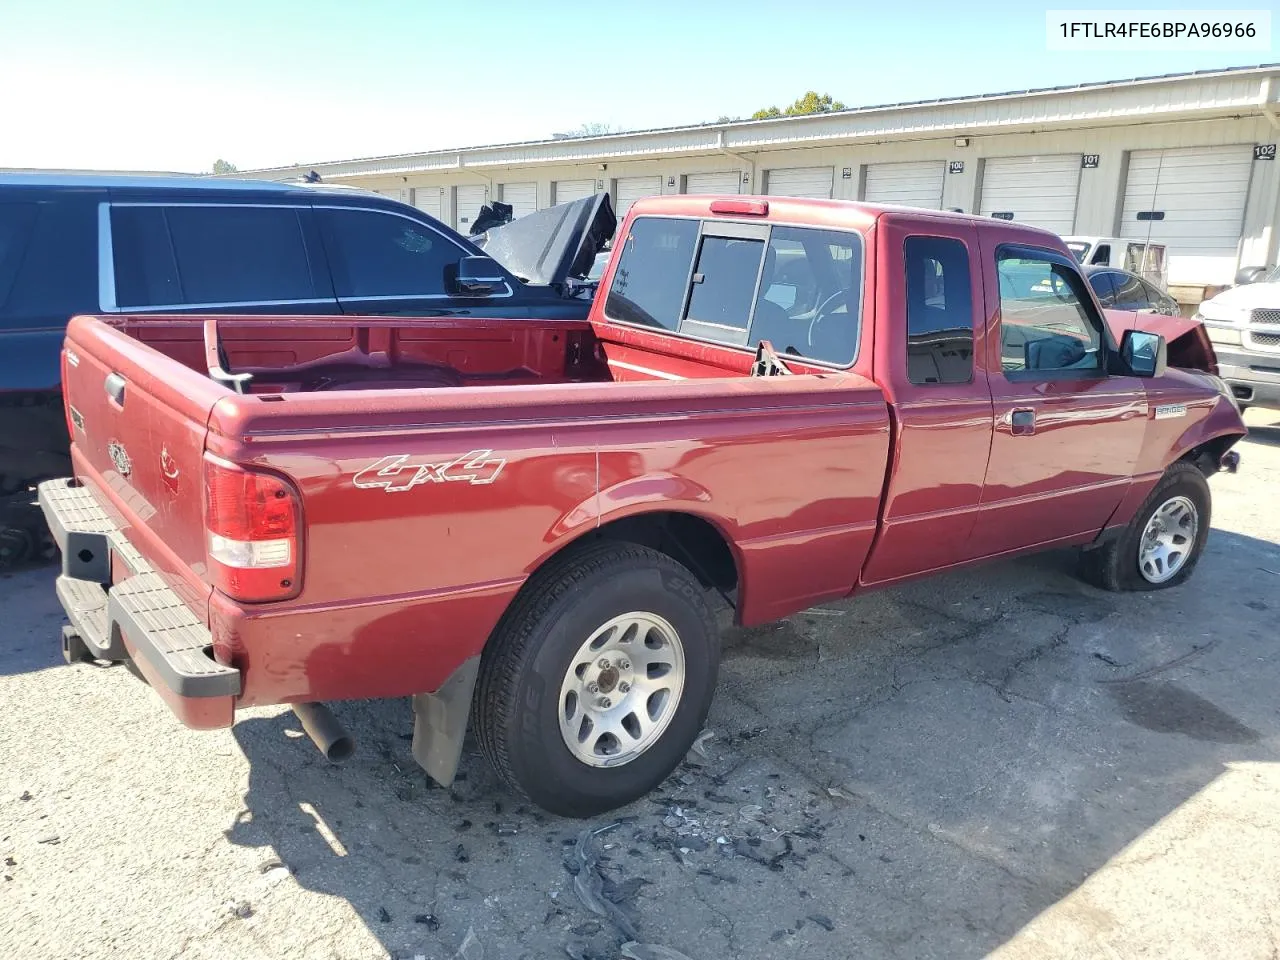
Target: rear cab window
799 288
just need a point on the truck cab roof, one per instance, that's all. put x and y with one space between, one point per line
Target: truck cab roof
813 211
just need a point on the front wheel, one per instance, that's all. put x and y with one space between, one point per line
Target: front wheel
598 679
1163 542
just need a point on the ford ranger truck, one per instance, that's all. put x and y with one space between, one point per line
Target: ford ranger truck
519 523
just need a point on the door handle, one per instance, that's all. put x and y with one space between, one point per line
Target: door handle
1022 422
114 385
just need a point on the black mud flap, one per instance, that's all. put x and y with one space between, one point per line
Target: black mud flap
440 723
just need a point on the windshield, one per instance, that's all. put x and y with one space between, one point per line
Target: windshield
1273 276
1078 250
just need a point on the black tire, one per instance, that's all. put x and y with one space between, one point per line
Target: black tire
515 713
1114 566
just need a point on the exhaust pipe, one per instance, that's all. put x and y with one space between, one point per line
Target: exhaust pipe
325 731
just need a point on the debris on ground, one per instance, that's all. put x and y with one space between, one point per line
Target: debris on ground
238 908
700 745
588 883
428 920
822 920
651 951
471 948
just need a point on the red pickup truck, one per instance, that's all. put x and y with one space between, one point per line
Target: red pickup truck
518 522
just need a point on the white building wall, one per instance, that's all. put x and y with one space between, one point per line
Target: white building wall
1098 206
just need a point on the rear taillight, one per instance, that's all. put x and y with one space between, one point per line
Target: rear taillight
253 522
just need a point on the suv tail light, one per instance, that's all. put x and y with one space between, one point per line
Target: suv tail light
253 521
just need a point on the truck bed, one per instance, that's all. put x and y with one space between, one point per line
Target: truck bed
437 465
311 354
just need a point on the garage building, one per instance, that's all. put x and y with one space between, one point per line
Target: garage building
1188 160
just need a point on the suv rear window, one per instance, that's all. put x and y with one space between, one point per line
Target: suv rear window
15 228
209 255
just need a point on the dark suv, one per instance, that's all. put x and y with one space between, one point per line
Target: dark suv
112 244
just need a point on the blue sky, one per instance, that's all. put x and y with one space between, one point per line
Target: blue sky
141 84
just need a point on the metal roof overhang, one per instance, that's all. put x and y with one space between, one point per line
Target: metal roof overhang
1200 96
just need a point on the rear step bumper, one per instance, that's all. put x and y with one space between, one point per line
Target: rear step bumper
139 618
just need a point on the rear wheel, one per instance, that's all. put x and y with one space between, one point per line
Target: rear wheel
598 679
1162 543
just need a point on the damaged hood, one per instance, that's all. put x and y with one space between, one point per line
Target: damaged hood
552 245
1171 328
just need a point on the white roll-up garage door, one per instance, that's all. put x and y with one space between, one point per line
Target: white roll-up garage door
729 181
916 184
1040 191
1192 200
631 189
800 182
427 199
566 190
523 197
467 202
396 193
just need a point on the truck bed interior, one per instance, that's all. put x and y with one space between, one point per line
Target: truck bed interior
310 354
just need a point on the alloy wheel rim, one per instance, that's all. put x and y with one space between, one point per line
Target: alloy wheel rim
621 689
1168 539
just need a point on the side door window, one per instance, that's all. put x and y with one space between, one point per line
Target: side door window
1102 254
210 256
231 254
1104 287
1130 294
939 311
1047 322
383 256
146 273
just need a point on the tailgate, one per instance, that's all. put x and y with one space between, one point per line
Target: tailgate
138 423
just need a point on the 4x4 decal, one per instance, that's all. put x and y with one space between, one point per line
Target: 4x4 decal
395 474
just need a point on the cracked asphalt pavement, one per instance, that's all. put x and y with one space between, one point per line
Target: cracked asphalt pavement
1001 761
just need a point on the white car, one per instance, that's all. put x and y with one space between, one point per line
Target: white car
1244 325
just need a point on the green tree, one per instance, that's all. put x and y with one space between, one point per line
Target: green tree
224 166
811 102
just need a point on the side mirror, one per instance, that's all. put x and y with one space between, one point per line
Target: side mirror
1144 353
1250 275
477 277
